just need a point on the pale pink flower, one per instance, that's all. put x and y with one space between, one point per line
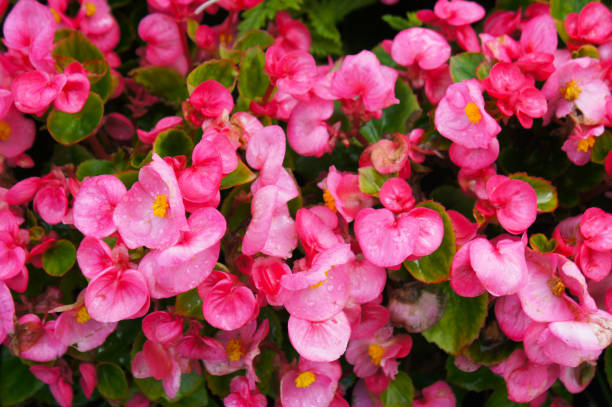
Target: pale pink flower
95 203
420 46
311 383
163 38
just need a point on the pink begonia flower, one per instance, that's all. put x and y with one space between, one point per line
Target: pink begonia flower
30 29
594 255
118 126
59 379
396 195
511 318
515 202
266 151
292 72
421 46
307 130
241 348
76 327
38 341
200 183
438 394
576 379
237 5
376 356
16 133
209 100
138 400
502 22
577 84
387 156
593 25
223 145
6 101
462 118
362 80
12 246
34 91
503 48
292 34
95 203
227 303
342 194
88 379
436 83
525 380
243 395
474 182
271 230
464 229
51 203
162 327
474 158
266 274
164 124
188 263
315 228
152 213
7 312
539 35
366 319
323 341
163 38
362 397
74 92
366 281
96 21
579 145
311 383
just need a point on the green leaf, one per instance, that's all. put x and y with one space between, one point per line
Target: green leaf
372 130
463 66
435 267
395 118
199 398
59 258
253 81
171 143
396 22
223 71
161 81
74 154
540 243
17 383
370 180
91 168
112 383
544 189
241 175
608 365
128 177
559 9
479 380
399 393
490 353
499 398
602 147
459 326
383 56
190 382
189 304
258 16
454 198
254 38
265 369
70 128
100 78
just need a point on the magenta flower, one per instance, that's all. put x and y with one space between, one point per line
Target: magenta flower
515 202
163 38
7 312
307 130
88 379
244 395
438 394
164 124
59 379
37 340
593 25
292 72
342 194
209 100
420 46
16 133
95 203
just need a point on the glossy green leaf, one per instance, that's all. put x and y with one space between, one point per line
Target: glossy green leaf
199 398
223 71
189 304
540 243
463 317
127 177
454 198
254 38
399 393
241 175
490 353
372 131
59 258
100 77
370 180
544 189
171 143
396 117
559 9
17 383
479 380
70 128
161 81
463 66
190 382
253 81
435 267
91 168
265 368
112 383
602 147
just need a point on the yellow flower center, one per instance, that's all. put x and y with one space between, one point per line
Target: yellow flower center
571 91
5 131
56 15
234 350
160 206
556 286
82 315
329 201
90 9
473 113
585 144
305 379
376 353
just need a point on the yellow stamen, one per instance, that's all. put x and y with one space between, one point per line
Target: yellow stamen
82 315
329 201
160 206
571 91
556 286
234 350
5 131
305 379
317 285
90 9
56 15
586 144
376 353
473 113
